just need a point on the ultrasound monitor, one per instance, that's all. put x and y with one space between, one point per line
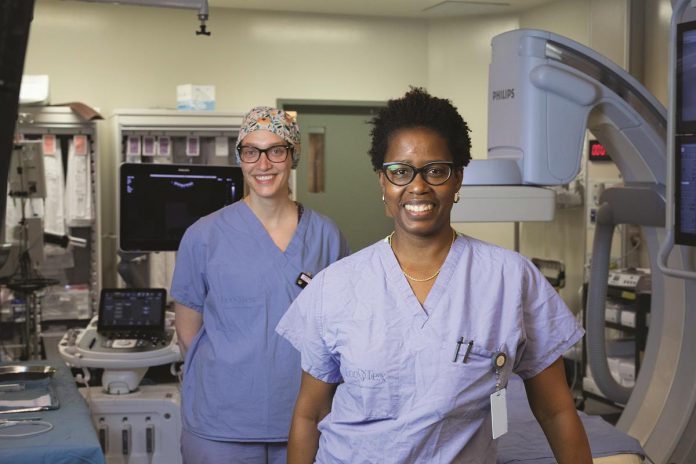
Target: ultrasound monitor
158 202
685 137
685 191
686 76
131 313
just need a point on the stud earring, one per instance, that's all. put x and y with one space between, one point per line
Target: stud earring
456 197
383 198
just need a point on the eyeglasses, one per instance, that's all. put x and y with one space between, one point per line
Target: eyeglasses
275 154
435 173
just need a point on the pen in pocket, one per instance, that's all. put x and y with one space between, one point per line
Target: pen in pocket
459 346
469 346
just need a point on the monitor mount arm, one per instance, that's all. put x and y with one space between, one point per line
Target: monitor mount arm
200 5
203 17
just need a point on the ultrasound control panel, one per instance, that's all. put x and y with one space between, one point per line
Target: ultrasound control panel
124 343
89 348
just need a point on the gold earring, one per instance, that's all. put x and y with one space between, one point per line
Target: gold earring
456 197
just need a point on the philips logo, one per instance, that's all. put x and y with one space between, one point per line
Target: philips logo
503 94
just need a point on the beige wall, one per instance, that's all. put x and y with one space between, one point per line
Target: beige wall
115 56
658 14
566 17
126 56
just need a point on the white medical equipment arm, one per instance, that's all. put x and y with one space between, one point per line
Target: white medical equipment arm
678 8
545 90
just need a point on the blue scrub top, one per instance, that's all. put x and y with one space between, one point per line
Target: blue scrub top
405 393
240 378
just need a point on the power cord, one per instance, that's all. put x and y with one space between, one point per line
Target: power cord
84 379
177 372
46 426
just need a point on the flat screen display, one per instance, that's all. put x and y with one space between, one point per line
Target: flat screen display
685 191
158 202
686 78
132 310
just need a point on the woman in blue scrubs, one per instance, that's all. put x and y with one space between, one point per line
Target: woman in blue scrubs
237 271
407 345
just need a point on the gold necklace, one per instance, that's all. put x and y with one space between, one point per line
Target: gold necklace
410 277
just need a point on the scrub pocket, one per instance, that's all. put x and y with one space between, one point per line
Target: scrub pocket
241 298
467 385
368 393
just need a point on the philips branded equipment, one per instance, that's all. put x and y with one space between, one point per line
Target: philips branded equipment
131 333
159 201
135 423
545 91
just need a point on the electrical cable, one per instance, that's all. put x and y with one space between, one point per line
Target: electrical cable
178 373
84 379
47 426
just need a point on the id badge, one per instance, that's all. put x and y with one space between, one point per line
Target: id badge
303 280
499 421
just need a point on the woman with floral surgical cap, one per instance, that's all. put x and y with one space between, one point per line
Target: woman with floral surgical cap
237 271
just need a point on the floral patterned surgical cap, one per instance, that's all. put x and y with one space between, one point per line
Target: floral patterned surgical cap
273 120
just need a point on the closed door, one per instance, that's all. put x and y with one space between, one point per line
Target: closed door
341 183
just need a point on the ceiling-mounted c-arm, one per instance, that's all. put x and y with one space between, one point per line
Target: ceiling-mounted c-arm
545 90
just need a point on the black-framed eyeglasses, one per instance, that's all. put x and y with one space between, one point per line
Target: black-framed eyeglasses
275 154
435 173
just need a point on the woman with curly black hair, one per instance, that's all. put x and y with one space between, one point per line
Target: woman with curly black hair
407 346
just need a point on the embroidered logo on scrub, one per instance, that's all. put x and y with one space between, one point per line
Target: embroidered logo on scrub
366 377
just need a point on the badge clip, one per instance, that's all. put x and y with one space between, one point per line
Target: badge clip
303 280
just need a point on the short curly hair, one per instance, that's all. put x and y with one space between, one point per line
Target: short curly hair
417 108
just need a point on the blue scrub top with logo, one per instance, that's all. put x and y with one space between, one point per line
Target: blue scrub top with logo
407 393
240 378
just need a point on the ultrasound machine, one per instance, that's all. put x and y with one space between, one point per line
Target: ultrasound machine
133 331
138 423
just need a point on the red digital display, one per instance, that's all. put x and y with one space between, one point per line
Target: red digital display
598 152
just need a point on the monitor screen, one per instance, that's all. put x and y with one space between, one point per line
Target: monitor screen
685 191
135 310
158 202
686 76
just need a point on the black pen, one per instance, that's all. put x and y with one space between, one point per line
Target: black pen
469 346
459 345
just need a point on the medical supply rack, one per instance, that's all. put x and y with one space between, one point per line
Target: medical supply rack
70 306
